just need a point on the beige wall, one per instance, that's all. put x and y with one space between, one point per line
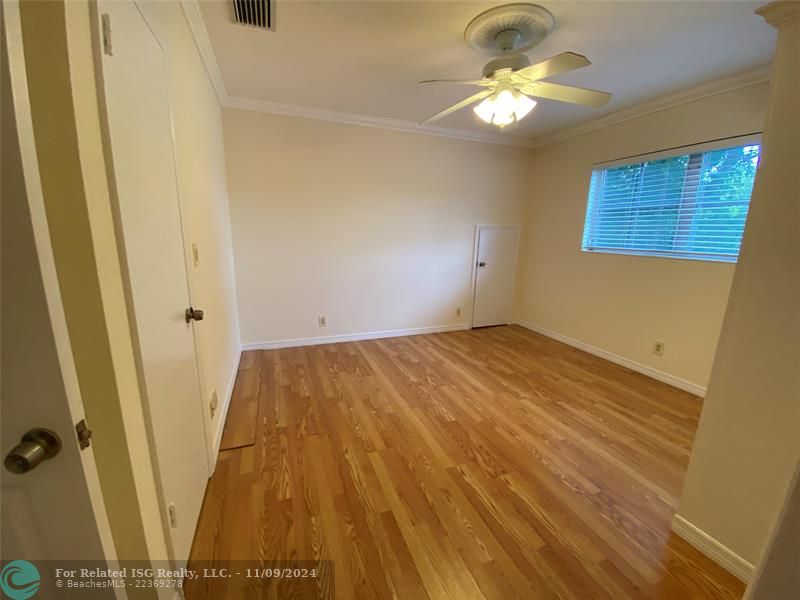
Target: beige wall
370 227
200 162
748 442
622 304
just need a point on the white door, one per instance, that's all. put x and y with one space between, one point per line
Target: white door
55 510
140 129
495 272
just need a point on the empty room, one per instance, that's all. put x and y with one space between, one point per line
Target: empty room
400 299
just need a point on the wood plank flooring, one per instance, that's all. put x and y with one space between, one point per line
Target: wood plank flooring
492 463
240 428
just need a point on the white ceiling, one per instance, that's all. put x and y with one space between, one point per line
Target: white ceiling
365 57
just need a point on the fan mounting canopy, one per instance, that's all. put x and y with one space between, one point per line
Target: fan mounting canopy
509 28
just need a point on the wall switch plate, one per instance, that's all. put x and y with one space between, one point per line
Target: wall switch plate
323 322
658 348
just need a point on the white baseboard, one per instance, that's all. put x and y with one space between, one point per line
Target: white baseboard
351 337
713 549
682 384
226 403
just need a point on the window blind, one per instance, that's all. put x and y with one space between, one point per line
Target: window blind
690 205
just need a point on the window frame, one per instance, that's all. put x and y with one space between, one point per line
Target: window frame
701 147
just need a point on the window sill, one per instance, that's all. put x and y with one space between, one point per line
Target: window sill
713 258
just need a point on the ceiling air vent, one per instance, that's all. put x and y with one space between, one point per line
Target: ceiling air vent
255 13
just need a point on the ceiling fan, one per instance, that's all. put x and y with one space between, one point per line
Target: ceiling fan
511 83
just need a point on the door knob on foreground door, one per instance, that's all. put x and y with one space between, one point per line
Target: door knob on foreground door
194 314
36 446
481 264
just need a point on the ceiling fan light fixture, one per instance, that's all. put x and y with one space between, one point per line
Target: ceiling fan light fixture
507 32
485 111
504 108
524 106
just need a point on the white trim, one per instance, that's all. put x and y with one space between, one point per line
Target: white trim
725 259
713 549
351 337
673 380
194 18
705 90
321 114
222 415
708 89
474 274
780 14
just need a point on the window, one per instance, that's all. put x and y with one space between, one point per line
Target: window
692 205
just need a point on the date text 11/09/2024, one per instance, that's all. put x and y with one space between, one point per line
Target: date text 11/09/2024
184 573
265 573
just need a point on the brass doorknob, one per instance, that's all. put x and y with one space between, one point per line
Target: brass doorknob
194 314
37 445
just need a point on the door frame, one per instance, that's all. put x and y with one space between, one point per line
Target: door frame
474 271
12 24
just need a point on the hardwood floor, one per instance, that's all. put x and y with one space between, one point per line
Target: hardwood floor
492 463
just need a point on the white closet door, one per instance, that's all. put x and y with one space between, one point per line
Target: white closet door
140 128
495 275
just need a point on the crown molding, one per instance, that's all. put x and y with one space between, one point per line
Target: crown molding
781 11
321 114
780 14
194 18
705 90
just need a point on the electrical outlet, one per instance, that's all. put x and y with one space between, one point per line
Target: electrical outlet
658 348
323 321
458 311
212 405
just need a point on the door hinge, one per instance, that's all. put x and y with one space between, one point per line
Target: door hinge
84 434
106 22
173 516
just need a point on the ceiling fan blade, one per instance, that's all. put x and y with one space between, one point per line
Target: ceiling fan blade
566 61
485 82
566 93
463 104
